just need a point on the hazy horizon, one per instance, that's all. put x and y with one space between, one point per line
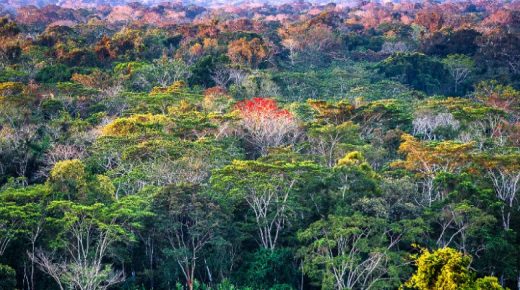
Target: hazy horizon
204 3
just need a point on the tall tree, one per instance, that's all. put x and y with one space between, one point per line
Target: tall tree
191 222
85 236
460 67
347 252
429 159
504 172
270 191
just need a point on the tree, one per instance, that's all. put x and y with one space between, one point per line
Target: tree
259 84
17 144
105 83
431 18
162 72
446 42
217 99
447 269
384 114
460 67
470 120
31 202
415 69
7 277
54 73
190 222
84 239
104 49
458 222
431 126
428 159
221 76
499 96
266 125
136 125
270 191
313 42
332 113
60 152
11 224
8 28
344 252
331 141
252 53
10 51
69 178
500 48
293 46
270 269
504 172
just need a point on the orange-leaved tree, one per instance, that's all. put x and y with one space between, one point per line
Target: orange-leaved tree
427 159
266 125
244 52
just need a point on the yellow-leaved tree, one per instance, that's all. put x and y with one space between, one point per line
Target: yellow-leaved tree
447 269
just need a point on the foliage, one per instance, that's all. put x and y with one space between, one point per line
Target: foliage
417 70
253 52
266 125
345 252
240 146
7 277
446 269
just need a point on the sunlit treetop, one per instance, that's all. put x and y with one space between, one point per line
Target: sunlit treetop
463 110
336 113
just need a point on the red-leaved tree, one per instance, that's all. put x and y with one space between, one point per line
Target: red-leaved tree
266 125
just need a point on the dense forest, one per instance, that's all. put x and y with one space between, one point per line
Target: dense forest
260 146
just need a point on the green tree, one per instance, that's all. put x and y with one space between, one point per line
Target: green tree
332 141
162 72
503 170
11 223
347 252
190 222
270 191
268 269
7 277
84 240
415 69
33 202
460 67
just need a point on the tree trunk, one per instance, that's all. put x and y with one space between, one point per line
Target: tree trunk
505 218
151 267
32 265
